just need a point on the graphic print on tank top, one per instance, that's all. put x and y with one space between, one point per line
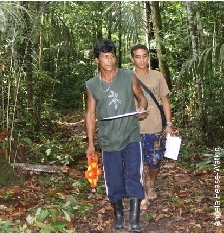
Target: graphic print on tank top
114 99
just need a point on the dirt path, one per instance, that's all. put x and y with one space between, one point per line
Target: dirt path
185 203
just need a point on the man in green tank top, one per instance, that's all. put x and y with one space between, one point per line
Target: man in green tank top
110 93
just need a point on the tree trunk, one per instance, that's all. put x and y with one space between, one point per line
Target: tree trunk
199 27
99 21
192 30
41 44
148 30
7 175
27 46
109 32
161 51
119 62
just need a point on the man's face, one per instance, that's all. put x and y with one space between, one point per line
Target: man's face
106 61
140 58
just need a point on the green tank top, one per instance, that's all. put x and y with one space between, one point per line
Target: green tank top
111 100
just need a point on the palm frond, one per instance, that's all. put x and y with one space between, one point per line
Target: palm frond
210 59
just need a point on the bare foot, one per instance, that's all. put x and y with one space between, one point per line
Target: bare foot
144 204
151 193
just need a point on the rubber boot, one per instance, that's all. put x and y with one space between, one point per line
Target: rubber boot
119 214
134 215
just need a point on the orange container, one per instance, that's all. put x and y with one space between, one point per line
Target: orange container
93 171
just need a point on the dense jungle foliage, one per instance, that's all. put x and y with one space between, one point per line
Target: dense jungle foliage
46 57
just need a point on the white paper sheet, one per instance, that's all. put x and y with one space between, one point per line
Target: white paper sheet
124 115
172 147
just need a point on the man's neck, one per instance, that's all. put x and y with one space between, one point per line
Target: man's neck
141 72
108 76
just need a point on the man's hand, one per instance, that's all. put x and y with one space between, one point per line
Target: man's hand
143 115
169 130
90 151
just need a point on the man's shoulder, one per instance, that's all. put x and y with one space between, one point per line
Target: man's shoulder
91 83
91 80
125 72
155 73
125 75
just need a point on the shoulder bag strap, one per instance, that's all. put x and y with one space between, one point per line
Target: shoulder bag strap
149 92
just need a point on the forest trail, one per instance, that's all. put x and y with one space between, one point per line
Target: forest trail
185 202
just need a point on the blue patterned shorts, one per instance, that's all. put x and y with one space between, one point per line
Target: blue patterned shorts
153 148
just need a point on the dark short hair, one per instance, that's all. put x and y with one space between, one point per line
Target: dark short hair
139 46
104 46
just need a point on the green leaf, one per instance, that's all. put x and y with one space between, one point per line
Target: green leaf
43 214
67 216
68 203
45 226
53 214
59 225
203 164
73 201
28 141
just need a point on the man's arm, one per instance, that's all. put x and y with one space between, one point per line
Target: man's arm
90 120
142 101
167 111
